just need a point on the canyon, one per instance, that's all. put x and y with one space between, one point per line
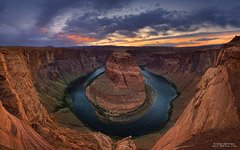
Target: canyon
35 109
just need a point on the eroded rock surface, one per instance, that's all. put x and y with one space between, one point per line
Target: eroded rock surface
25 123
214 107
121 89
123 72
15 134
49 70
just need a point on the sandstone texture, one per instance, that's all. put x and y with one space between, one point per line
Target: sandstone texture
123 72
214 109
15 134
126 144
121 89
33 83
25 123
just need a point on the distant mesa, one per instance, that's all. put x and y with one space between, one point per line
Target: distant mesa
235 41
121 89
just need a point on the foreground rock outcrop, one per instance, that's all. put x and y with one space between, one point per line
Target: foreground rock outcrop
15 134
121 89
213 109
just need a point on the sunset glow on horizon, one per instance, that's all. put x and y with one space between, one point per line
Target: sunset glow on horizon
176 41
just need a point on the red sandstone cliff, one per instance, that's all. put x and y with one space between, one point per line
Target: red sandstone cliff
182 66
15 134
214 109
22 113
123 72
54 68
49 70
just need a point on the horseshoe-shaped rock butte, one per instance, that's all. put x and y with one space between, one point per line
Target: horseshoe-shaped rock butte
121 89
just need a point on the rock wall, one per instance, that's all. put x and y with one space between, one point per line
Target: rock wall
123 72
54 68
18 89
181 66
184 68
15 134
23 108
31 78
26 124
213 109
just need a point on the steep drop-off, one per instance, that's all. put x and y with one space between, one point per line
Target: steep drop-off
15 134
213 110
25 113
53 69
35 77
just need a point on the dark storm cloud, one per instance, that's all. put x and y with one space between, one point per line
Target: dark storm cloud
50 8
21 20
124 24
16 15
160 19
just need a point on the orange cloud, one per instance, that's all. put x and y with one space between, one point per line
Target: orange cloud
177 39
219 39
79 39
188 41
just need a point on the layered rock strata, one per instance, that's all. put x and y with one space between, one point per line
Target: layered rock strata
213 110
25 123
121 89
53 68
15 134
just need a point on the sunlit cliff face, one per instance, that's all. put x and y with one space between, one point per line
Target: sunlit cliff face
118 22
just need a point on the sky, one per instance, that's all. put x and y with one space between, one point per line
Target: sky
62 23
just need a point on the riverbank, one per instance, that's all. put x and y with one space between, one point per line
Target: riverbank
186 87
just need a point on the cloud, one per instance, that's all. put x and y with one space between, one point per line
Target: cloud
79 39
206 39
51 9
161 20
80 22
3 5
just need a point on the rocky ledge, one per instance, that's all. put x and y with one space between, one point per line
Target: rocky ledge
121 89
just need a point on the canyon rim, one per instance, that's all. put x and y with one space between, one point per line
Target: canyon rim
33 79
